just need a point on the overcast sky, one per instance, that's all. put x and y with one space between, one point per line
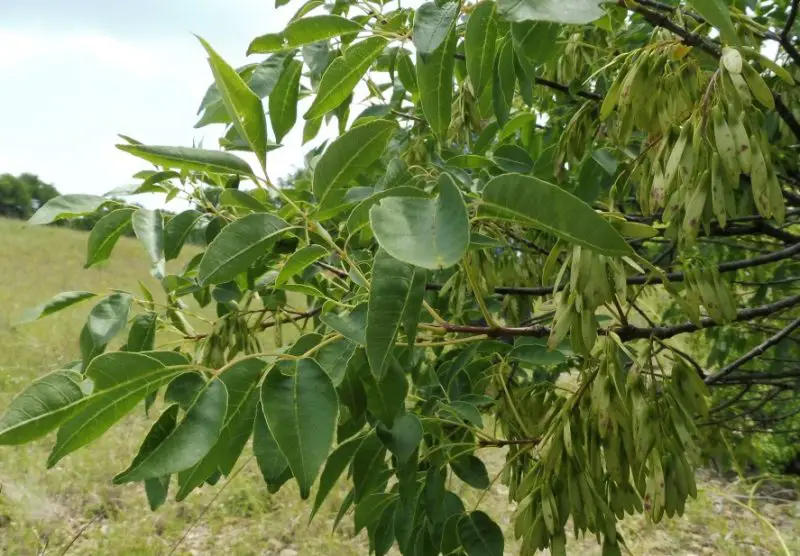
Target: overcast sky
75 73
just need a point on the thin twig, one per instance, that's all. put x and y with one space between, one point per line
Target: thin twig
628 332
643 279
80 532
499 443
693 39
208 506
755 352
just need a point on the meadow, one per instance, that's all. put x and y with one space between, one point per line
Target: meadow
75 509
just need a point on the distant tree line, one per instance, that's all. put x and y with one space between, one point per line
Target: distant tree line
22 195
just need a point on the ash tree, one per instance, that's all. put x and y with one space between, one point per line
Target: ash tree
562 235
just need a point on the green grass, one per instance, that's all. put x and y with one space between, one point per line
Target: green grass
45 509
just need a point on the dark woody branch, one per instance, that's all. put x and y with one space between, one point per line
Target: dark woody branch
641 279
629 332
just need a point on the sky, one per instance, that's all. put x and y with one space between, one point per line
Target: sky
74 74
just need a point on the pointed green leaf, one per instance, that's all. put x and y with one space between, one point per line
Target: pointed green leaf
717 14
89 349
333 357
184 389
534 202
243 105
66 206
236 198
382 535
271 462
238 246
350 155
369 466
108 318
407 73
513 158
432 24
519 121
343 75
435 81
149 228
191 440
479 535
414 304
186 158
504 82
403 438
334 467
479 45
161 429
560 11
311 129
351 325
142 334
370 509
431 233
471 470
261 78
177 231
301 411
121 381
534 351
299 261
156 491
41 407
386 398
241 382
105 233
304 31
467 412
283 100
470 161
536 40
389 294
55 304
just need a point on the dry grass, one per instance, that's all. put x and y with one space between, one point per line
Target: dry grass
43 510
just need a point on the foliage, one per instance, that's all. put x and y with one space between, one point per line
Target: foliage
512 255
21 195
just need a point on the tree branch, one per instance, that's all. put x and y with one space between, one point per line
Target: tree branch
564 89
300 316
755 352
693 39
787 28
643 279
629 332
560 87
752 378
786 34
498 443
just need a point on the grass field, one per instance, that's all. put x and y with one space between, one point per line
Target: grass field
44 511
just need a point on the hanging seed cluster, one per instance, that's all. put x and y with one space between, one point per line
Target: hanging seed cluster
706 156
618 444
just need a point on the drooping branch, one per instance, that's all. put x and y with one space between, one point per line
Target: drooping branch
746 377
642 279
786 35
500 443
755 352
658 19
560 87
628 332
294 318
564 89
